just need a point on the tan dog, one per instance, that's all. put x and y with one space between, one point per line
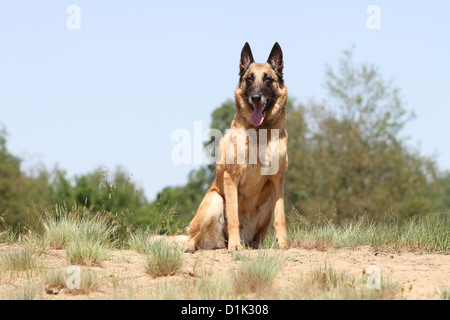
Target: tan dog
250 167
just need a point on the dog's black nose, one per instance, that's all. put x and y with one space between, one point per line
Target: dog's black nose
256 98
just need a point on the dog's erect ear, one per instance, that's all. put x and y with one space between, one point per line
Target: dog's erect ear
246 59
276 60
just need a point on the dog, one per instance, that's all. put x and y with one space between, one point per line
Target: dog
237 209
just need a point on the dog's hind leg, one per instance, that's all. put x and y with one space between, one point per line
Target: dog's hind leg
207 228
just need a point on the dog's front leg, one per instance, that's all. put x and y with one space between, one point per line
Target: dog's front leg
231 209
277 197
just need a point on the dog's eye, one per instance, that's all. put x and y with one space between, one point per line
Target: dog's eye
249 80
268 81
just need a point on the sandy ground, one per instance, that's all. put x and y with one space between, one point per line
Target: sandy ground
124 276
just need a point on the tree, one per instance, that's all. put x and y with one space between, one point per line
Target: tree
15 187
444 188
347 157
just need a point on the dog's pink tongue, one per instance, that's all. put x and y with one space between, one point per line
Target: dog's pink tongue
257 116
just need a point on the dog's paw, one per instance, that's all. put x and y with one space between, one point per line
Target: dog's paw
188 248
254 244
235 247
283 245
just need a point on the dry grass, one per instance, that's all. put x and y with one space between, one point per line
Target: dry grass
19 259
27 291
330 284
257 275
78 224
85 252
444 293
163 258
35 265
428 232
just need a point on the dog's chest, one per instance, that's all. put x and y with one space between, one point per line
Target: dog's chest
252 159
255 174
251 178
255 152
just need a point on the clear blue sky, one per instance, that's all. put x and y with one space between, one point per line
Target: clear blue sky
112 92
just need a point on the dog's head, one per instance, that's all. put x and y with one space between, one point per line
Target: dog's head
261 94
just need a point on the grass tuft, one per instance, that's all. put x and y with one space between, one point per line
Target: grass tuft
89 282
28 291
87 252
444 293
257 274
63 227
163 258
20 259
328 283
141 240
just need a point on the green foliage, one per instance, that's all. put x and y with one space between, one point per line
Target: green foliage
115 194
346 156
17 190
186 198
99 189
221 119
444 189
161 217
